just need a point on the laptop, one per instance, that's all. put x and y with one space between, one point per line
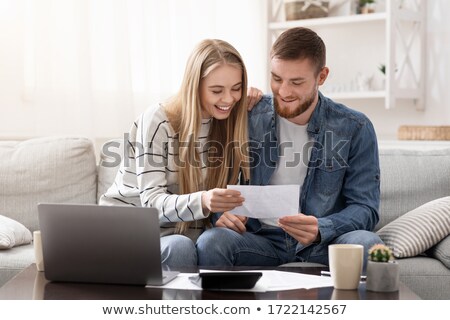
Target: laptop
101 244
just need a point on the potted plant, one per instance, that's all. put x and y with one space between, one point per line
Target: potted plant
366 6
380 78
382 270
382 68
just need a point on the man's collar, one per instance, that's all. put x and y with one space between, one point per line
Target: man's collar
315 122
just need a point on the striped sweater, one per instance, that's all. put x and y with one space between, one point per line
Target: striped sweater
148 176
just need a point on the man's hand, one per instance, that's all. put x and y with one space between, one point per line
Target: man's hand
303 228
253 97
220 200
232 221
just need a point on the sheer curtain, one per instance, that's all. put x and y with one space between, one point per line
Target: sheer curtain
90 67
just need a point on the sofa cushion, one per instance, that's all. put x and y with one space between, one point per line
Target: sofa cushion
14 260
427 277
441 251
418 230
110 159
13 233
410 178
52 169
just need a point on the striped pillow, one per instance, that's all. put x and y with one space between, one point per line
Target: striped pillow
419 229
441 251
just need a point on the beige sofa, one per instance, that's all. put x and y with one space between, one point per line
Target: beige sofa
54 169
64 169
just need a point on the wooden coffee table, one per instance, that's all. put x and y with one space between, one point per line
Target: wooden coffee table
31 284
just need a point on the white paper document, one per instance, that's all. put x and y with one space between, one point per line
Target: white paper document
271 280
263 202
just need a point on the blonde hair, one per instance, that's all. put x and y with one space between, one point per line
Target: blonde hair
185 116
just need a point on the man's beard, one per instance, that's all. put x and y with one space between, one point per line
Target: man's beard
298 110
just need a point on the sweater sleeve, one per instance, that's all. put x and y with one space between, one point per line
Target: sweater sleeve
153 143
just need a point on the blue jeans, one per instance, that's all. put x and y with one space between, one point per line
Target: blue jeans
177 251
269 246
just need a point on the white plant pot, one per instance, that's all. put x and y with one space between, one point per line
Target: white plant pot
382 276
368 8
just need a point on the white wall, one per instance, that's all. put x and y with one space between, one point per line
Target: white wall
89 68
249 39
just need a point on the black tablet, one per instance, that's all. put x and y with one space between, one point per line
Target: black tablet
226 280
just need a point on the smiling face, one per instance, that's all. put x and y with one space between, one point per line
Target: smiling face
220 90
295 85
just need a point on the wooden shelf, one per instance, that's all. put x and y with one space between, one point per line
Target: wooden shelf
355 95
357 18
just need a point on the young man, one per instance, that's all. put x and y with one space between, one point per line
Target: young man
298 136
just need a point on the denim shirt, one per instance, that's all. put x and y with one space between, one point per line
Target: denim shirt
342 185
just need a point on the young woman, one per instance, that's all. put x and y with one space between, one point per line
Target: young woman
182 154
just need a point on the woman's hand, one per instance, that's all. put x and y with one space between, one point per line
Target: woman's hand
221 200
233 222
253 97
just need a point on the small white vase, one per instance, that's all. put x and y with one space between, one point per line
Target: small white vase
382 276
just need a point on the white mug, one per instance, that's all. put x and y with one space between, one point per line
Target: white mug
37 242
346 263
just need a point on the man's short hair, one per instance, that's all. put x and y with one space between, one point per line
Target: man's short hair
300 43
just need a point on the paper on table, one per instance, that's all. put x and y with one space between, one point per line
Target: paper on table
281 280
271 280
267 201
